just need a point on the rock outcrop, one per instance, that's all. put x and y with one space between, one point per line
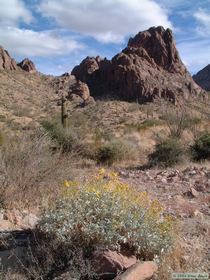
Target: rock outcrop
149 67
111 262
87 67
6 61
27 65
139 271
202 78
72 88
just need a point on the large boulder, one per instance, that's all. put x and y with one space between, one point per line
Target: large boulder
112 262
27 65
6 61
202 78
139 271
149 67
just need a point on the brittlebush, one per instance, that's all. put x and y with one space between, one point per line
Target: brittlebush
106 213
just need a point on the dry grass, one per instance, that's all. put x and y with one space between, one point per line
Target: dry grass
181 260
189 254
9 275
31 171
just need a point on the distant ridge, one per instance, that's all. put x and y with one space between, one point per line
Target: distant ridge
9 63
202 78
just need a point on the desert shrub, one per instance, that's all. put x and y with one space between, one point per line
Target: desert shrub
133 107
167 153
178 119
29 170
201 148
115 151
105 213
68 139
148 123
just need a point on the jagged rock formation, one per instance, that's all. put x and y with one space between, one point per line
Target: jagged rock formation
72 88
6 62
27 65
149 67
202 78
87 67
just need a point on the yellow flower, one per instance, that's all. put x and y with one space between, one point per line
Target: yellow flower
101 171
66 184
98 194
113 175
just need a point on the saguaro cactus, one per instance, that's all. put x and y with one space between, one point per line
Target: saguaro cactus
63 111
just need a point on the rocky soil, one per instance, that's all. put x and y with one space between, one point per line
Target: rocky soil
185 192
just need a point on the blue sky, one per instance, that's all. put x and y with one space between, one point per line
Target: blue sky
58 34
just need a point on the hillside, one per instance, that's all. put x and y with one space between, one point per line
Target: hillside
25 100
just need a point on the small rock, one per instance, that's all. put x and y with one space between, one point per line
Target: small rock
192 173
164 180
139 271
111 262
198 214
192 193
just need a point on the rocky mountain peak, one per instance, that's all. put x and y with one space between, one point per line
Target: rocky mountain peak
160 45
149 67
6 61
202 78
27 65
87 67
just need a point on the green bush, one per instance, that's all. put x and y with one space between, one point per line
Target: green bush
108 214
68 139
115 151
201 147
167 153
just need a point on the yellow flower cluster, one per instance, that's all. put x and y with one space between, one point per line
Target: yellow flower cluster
108 183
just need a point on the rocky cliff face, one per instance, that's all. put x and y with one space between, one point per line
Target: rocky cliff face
202 78
27 65
149 67
6 62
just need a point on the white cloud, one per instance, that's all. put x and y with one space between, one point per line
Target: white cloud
12 11
105 20
203 18
26 42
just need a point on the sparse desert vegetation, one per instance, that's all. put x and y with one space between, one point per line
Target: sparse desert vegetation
105 171
52 172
